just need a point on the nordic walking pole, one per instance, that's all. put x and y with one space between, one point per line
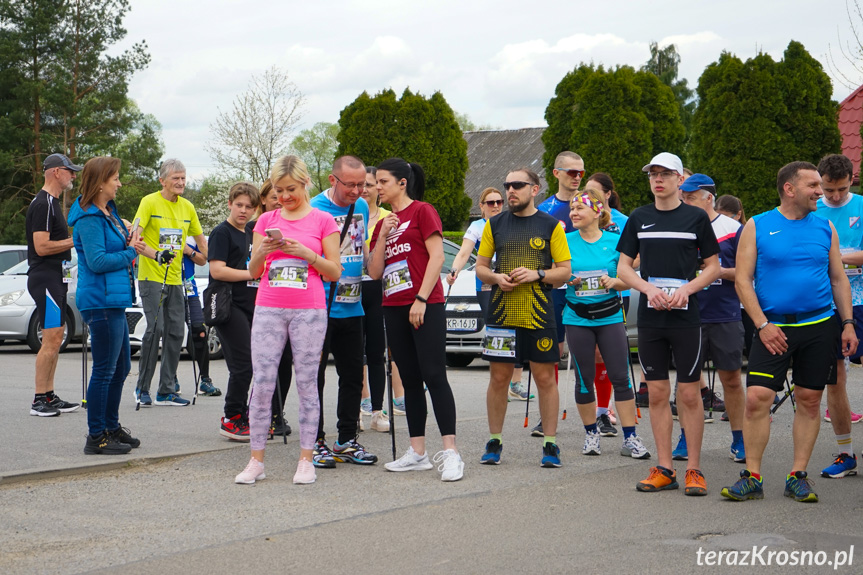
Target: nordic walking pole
84 364
191 348
566 385
389 366
164 257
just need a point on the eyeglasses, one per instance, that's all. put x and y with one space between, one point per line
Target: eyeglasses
664 175
492 203
571 173
352 185
515 185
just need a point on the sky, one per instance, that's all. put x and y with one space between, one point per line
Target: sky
497 61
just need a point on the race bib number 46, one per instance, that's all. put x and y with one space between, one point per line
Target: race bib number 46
289 273
499 342
590 284
170 238
397 277
669 286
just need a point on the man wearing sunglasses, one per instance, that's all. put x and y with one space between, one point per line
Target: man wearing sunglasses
670 236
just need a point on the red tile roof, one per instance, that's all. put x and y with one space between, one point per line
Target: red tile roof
850 118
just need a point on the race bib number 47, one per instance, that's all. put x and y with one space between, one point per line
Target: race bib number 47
499 342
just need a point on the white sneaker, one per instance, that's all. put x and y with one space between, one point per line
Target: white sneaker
410 461
451 466
634 447
591 444
380 422
305 472
254 471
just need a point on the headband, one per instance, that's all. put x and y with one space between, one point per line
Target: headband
590 203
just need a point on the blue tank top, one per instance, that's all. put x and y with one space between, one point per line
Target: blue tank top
791 270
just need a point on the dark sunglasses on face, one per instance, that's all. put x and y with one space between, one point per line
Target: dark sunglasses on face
492 203
571 173
515 185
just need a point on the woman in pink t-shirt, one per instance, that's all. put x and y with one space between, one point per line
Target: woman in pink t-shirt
293 248
408 253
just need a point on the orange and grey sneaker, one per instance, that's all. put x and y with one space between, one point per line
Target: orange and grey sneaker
695 483
659 479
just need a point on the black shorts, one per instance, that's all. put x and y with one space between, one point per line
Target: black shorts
811 351
519 345
858 315
657 345
49 292
722 343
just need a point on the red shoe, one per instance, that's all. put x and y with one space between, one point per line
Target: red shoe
235 428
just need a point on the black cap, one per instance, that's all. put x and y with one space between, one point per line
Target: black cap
59 161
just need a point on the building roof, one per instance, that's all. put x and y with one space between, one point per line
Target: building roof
492 153
850 118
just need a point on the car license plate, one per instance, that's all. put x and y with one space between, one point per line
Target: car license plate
461 324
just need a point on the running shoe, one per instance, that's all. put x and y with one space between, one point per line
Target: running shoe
844 464
747 487
537 430
591 444
123 435
708 417
550 455
634 447
680 452
254 471
674 414
305 472
42 408
738 451
322 456
517 391
711 399
399 405
603 423
235 428
63 406
659 479
171 399
207 388
642 399
855 417
724 416
105 444
799 487
451 466
143 397
366 406
352 452
279 426
410 461
695 483
492 452
380 422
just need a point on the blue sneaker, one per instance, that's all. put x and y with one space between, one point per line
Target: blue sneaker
492 452
143 397
844 464
738 451
799 487
171 399
680 452
747 487
207 388
550 455
176 385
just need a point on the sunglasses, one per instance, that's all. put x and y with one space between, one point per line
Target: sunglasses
492 203
515 185
571 173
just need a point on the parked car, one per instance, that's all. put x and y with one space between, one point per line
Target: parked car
465 324
11 255
18 319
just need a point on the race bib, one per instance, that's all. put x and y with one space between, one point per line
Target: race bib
67 272
397 277
499 342
590 284
289 273
349 289
485 287
170 238
189 287
669 286
716 282
851 270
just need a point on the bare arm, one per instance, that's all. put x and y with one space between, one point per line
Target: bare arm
220 271
487 276
434 246
202 245
707 277
377 257
44 246
841 294
657 298
460 259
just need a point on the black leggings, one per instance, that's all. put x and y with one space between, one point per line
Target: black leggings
420 355
373 327
202 349
614 348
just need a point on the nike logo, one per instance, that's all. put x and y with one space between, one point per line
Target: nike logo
644 226
776 232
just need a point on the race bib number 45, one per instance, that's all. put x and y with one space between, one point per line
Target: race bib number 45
499 342
289 273
669 286
590 284
397 277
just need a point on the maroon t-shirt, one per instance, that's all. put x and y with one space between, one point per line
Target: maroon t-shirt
406 255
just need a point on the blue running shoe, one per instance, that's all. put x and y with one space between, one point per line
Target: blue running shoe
550 455
844 464
680 452
170 399
492 452
799 487
738 451
144 398
207 388
747 487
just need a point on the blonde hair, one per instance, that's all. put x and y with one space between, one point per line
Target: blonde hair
598 198
293 167
485 193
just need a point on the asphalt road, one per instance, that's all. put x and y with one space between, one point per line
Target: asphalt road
171 506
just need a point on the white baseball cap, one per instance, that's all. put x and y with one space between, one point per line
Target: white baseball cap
666 160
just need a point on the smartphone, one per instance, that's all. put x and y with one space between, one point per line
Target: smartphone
274 233
134 229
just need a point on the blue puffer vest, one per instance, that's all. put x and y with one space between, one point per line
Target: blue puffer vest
105 277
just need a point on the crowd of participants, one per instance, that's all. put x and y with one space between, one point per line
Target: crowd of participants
300 277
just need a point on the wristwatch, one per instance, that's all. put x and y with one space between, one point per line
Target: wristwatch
541 275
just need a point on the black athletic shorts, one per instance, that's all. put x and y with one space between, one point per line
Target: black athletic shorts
49 292
519 345
657 345
811 350
722 344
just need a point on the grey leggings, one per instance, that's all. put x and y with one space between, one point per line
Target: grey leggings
271 329
615 353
